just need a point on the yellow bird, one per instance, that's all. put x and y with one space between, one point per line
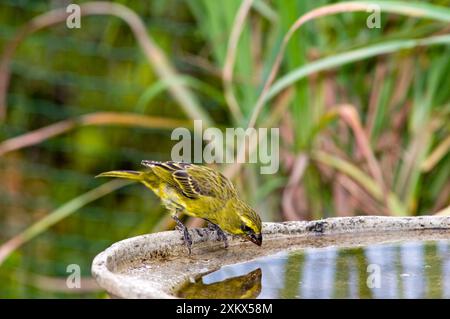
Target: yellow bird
198 191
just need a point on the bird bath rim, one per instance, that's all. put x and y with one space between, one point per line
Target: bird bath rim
157 265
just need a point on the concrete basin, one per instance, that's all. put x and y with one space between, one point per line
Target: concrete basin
158 265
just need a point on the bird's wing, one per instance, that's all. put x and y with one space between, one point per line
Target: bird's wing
205 181
178 175
188 184
193 180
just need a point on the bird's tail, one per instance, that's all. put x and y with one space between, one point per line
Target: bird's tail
133 175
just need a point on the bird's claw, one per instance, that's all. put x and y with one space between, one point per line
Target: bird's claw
187 238
220 234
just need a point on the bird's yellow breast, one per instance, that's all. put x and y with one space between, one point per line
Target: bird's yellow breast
170 198
202 207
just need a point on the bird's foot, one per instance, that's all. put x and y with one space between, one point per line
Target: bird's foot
187 239
220 234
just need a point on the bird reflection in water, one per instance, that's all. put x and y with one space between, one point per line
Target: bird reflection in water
247 286
412 269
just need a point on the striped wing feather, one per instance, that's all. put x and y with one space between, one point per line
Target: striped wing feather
193 180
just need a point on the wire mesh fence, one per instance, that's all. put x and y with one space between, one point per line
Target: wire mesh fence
363 116
57 74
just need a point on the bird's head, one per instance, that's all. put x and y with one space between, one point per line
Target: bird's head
248 223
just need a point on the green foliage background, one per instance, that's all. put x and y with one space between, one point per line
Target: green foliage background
60 73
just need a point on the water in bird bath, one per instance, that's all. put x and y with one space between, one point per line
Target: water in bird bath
412 269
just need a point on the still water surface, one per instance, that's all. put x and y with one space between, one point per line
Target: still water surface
414 269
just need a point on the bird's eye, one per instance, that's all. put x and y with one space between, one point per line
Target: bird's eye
246 229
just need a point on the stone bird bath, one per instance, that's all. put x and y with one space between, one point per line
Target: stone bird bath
158 265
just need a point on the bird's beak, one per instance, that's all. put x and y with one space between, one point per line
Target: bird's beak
255 238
